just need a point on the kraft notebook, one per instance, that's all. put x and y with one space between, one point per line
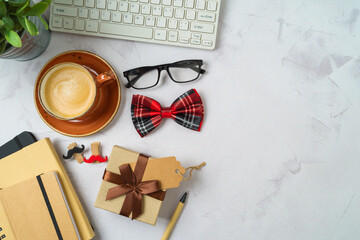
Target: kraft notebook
36 209
37 158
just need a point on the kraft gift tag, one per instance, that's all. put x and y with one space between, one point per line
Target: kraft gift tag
167 171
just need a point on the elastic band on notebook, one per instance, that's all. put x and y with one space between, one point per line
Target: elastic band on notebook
52 215
17 140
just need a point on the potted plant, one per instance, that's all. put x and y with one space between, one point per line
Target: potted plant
24 33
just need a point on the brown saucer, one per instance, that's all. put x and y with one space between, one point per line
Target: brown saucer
109 104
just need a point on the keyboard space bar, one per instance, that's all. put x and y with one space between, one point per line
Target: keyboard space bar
129 31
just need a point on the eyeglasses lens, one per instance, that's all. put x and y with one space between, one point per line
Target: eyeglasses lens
184 72
143 79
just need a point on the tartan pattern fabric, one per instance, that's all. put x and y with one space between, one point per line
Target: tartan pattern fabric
187 110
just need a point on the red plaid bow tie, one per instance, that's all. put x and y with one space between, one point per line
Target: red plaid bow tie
187 110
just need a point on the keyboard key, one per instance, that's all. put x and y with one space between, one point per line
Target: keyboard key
166 2
144 1
145 9
128 18
123 7
112 5
207 43
196 36
157 11
134 8
172 23
155 1
150 21
160 34
105 15
79 25
183 34
168 12
178 3
83 13
56 22
200 4
173 36
68 23
184 25
100 4
91 26
65 11
189 4
190 14
139 20
161 22
211 6
126 30
89 3
202 27
183 40
179 13
67 2
94 14
116 17
195 41
79 3
206 16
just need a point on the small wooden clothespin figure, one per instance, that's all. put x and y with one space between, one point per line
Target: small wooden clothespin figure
75 151
95 150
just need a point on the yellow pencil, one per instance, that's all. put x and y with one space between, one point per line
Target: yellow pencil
174 217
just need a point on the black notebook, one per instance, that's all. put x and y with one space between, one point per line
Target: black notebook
17 143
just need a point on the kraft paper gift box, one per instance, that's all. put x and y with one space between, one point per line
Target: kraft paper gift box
150 206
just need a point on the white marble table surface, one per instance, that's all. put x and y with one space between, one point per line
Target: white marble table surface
281 133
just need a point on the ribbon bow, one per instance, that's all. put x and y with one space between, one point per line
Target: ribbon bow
187 110
130 183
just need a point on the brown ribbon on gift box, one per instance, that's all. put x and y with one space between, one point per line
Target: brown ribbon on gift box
130 183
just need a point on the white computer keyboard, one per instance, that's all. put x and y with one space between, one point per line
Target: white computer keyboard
186 23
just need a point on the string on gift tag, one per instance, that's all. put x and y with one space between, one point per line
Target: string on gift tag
198 167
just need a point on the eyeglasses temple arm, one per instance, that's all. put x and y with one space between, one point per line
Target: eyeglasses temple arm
199 70
196 69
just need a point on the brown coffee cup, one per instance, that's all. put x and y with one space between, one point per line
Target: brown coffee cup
68 91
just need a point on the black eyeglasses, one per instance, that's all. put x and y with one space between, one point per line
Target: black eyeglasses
180 72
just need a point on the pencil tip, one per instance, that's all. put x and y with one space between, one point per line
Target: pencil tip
183 198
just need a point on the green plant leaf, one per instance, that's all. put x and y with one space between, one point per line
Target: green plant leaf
22 8
9 23
2 24
22 21
13 38
44 22
2 46
30 27
47 1
2 9
37 9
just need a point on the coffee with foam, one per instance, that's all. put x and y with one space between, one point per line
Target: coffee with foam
68 91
